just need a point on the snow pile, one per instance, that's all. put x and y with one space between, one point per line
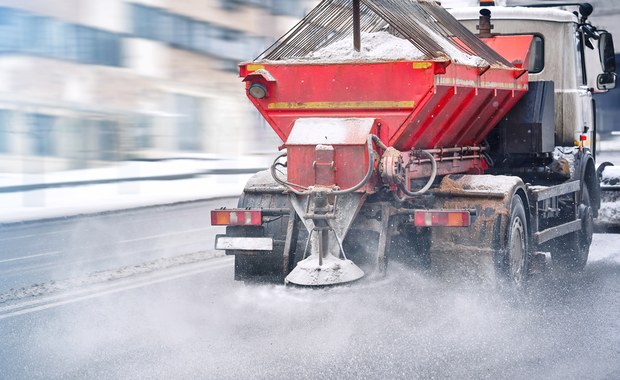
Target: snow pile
568 154
455 54
611 176
482 183
383 46
609 213
374 46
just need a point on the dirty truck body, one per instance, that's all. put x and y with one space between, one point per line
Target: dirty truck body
475 166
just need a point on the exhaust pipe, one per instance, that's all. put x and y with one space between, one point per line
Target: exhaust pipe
484 24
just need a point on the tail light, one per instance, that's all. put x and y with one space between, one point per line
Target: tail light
442 218
236 217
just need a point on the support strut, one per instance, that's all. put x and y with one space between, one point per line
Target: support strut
356 25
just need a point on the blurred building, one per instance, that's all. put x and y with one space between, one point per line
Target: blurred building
86 82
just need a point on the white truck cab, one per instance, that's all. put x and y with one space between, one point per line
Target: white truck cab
567 50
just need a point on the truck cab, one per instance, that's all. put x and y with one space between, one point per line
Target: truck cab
566 51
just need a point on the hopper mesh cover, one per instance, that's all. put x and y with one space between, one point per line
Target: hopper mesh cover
424 23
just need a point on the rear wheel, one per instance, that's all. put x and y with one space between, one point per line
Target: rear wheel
570 253
513 263
265 266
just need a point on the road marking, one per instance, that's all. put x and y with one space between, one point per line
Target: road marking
105 289
30 257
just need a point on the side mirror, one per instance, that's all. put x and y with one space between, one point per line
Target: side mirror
607 53
606 81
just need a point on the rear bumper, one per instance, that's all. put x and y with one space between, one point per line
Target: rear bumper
225 242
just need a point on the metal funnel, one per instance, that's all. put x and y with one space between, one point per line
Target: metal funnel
327 226
332 271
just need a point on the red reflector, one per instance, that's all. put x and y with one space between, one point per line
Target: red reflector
583 137
236 217
441 218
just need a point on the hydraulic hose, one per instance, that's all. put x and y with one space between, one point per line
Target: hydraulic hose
428 185
286 184
371 166
290 186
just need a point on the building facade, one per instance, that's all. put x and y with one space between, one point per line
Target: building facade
87 82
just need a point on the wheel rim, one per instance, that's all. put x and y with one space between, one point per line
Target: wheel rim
517 250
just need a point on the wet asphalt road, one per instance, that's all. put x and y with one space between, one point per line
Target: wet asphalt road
193 321
56 249
196 322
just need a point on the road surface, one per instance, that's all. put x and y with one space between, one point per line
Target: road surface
139 305
56 249
192 320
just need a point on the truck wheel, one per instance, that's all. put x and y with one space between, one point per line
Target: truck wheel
570 254
513 264
264 267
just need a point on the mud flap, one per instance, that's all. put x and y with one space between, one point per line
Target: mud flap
474 252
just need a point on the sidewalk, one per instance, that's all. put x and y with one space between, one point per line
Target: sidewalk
123 185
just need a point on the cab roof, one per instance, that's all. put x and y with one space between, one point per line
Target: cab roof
516 13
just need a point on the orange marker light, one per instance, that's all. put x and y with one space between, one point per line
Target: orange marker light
442 218
236 217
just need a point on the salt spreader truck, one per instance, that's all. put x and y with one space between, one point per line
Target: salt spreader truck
453 138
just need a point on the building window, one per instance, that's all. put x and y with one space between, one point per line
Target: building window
108 140
28 33
143 131
69 49
228 65
144 18
287 8
231 5
182 32
189 122
201 36
234 4
164 24
5 131
41 133
36 35
190 34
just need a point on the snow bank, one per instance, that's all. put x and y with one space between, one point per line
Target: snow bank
611 176
609 214
568 154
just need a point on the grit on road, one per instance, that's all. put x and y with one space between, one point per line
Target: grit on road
194 321
155 313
